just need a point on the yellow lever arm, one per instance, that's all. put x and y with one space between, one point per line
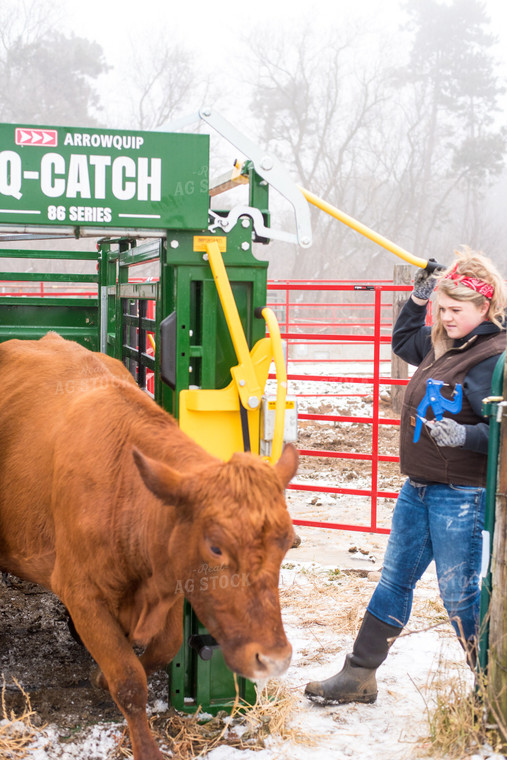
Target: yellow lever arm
363 229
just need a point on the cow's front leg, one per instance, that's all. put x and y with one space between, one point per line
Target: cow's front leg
165 645
121 670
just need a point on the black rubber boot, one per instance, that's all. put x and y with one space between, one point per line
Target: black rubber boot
356 681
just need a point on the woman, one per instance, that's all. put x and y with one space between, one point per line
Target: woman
440 510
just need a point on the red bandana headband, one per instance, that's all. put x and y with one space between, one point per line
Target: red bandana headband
480 286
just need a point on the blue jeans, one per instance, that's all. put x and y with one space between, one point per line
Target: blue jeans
440 522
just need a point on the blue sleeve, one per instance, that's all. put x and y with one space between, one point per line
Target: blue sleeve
411 339
477 386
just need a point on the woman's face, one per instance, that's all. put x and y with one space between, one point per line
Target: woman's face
460 317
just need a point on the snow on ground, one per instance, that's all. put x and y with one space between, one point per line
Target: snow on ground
396 725
394 728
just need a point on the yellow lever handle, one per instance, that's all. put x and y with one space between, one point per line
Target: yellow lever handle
281 384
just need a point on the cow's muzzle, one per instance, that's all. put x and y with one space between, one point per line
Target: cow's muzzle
272 667
255 662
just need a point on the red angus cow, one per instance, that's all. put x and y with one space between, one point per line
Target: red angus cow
107 503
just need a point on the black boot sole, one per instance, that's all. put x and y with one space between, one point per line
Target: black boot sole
367 699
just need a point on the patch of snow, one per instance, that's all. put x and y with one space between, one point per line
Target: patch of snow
94 743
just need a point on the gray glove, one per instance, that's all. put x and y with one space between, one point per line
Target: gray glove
424 284
447 432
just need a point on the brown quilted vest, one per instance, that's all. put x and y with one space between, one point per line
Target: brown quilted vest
424 460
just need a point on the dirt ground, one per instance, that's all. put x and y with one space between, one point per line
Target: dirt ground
38 652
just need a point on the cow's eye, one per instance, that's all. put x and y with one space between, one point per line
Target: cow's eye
216 550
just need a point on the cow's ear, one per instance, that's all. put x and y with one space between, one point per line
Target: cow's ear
158 477
287 465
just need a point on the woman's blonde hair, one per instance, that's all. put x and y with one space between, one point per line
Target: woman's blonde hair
478 266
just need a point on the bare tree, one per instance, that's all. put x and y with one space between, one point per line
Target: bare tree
319 112
450 80
47 77
28 20
161 82
414 162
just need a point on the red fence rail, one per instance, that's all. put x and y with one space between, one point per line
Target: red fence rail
351 314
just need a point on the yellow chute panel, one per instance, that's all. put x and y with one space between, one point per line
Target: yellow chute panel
212 417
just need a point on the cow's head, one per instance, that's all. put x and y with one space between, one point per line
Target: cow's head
232 532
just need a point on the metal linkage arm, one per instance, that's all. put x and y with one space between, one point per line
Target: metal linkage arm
272 172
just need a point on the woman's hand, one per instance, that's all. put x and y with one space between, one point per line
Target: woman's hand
447 432
424 285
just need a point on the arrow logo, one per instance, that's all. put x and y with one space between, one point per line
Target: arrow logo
28 136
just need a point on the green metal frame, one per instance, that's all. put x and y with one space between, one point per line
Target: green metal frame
31 317
207 683
490 409
204 351
116 294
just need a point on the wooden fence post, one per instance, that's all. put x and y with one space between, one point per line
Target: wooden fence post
497 656
402 275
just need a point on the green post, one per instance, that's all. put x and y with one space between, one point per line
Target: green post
490 409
